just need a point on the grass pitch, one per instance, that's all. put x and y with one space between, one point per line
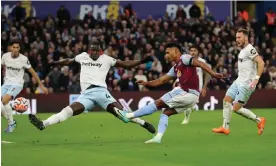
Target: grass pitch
99 139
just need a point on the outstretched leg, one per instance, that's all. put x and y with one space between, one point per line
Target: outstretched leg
114 107
74 109
163 124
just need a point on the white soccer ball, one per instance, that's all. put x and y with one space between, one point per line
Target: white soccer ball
20 104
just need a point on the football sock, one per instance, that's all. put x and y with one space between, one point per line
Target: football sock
8 113
146 110
248 114
3 111
135 120
66 113
227 113
162 125
138 121
187 112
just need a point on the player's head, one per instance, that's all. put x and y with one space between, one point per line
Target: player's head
15 47
194 50
173 51
94 50
242 37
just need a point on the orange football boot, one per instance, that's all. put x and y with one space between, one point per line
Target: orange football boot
261 126
221 130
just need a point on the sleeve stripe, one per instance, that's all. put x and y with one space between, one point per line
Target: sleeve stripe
191 60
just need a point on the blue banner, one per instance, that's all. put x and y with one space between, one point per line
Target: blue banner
143 9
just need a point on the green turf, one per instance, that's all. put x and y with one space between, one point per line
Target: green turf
98 139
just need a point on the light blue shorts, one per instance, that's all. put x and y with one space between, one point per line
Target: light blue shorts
180 99
95 96
239 92
12 90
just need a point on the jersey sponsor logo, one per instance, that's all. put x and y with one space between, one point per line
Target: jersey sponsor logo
13 69
91 64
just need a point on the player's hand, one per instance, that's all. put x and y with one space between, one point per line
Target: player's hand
147 59
219 76
44 89
141 82
203 92
51 64
253 84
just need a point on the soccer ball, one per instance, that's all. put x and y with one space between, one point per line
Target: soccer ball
20 105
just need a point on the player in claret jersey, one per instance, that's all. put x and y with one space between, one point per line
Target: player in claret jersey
94 68
178 99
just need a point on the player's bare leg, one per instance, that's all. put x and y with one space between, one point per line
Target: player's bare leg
238 108
187 114
74 109
6 112
162 125
114 107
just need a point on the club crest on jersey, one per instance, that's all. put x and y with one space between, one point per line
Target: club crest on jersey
178 73
240 59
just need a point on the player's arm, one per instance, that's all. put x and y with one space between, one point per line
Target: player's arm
260 66
132 63
33 73
160 81
206 81
205 67
260 69
63 62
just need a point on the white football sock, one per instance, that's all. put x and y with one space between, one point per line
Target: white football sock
138 121
6 112
66 113
3 111
188 112
248 114
159 135
130 115
227 114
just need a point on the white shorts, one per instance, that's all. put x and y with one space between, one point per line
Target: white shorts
180 100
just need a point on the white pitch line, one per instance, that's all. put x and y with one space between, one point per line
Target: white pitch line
7 142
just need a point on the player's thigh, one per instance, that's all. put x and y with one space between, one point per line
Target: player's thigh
4 89
14 90
104 98
244 94
180 100
11 91
231 93
86 100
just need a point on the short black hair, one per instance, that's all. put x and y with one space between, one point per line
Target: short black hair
15 41
171 45
195 47
244 31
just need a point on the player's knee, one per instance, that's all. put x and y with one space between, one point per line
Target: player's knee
237 106
6 99
160 104
228 99
77 108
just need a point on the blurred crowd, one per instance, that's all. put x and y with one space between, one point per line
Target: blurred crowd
128 38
